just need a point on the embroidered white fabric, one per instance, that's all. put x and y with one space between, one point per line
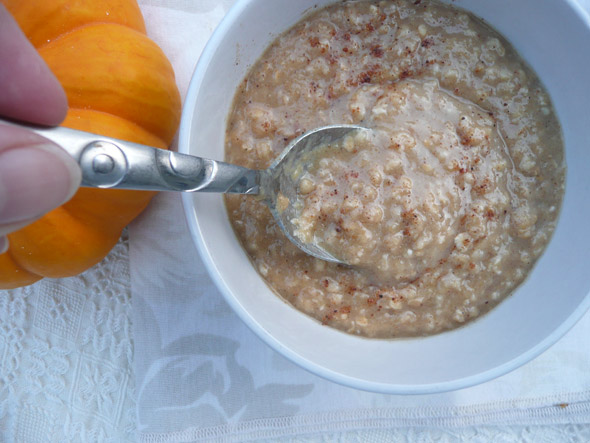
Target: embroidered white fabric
66 352
72 351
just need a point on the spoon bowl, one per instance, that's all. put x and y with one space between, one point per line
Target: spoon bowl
280 180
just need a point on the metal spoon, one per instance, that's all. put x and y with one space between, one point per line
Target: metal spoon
107 162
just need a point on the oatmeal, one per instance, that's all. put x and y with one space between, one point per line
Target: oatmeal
395 200
442 207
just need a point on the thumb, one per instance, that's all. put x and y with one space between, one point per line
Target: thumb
35 176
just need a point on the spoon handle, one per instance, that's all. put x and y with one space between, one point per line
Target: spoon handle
108 162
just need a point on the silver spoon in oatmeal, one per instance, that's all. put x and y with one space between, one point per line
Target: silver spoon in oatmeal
112 163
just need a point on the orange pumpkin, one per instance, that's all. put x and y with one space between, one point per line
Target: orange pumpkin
119 84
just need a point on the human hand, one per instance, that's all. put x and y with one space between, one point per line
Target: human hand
36 175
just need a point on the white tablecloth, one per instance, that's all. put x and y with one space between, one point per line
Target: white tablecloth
143 347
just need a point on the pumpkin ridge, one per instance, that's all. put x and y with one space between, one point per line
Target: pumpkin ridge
73 109
16 261
83 26
60 252
43 20
17 274
127 74
106 222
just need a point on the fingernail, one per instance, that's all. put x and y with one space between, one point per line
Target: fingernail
3 245
34 180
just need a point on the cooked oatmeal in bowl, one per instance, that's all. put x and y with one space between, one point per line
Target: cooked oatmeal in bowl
538 312
442 207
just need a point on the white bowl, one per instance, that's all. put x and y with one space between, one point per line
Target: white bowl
549 36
